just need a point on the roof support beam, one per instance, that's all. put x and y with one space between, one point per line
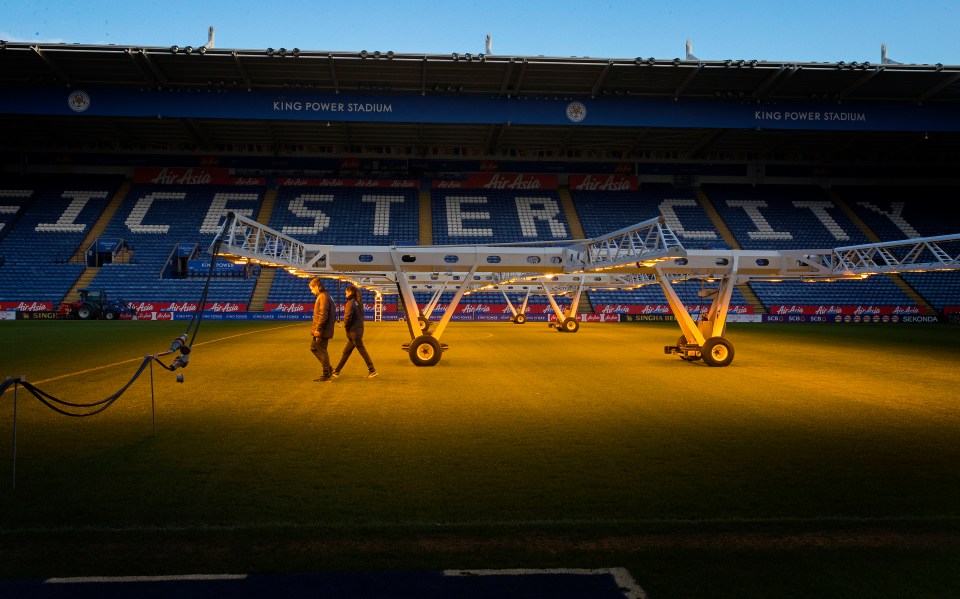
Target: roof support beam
859 82
243 71
493 139
687 81
523 71
194 131
333 74
936 88
600 78
705 142
53 66
158 76
505 84
423 77
780 76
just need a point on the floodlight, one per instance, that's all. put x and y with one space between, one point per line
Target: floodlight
389 54
188 49
282 52
363 53
295 52
269 51
174 49
202 50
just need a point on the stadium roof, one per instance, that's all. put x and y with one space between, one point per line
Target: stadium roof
40 66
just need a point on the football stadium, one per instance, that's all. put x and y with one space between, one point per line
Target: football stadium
644 327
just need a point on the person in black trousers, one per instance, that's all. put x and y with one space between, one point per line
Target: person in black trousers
324 321
353 325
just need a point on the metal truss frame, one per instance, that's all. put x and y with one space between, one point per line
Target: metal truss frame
645 253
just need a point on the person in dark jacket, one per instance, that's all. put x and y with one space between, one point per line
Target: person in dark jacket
353 325
324 321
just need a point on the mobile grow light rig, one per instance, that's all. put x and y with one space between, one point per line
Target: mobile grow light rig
644 253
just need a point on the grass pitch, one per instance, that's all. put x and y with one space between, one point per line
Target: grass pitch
822 461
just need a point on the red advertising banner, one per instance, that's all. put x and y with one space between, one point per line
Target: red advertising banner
661 309
337 182
28 306
192 176
602 183
821 310
500 181
187 306
288 307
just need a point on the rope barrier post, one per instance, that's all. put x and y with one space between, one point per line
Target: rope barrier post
153 405
16 385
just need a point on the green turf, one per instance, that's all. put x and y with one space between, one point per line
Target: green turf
824 458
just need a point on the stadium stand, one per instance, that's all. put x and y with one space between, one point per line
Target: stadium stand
157 222
48 219
166 230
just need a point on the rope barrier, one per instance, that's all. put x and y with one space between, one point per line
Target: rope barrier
181 344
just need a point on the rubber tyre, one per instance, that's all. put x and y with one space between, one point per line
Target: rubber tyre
520 318
423 323
571 325
85 313
110 315
717 351
425 351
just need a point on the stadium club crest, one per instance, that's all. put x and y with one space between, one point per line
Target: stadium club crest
78 101
576 111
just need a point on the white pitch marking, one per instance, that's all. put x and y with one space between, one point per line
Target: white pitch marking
630 588
102 579
79 372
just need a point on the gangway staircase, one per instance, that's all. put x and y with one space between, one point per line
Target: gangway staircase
727 235
426 218
570 211
97 229
83 281
267 273
100 226
262 289
895 277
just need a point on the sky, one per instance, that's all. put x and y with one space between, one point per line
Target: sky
918 32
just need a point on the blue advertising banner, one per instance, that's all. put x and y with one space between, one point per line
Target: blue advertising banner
398 108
